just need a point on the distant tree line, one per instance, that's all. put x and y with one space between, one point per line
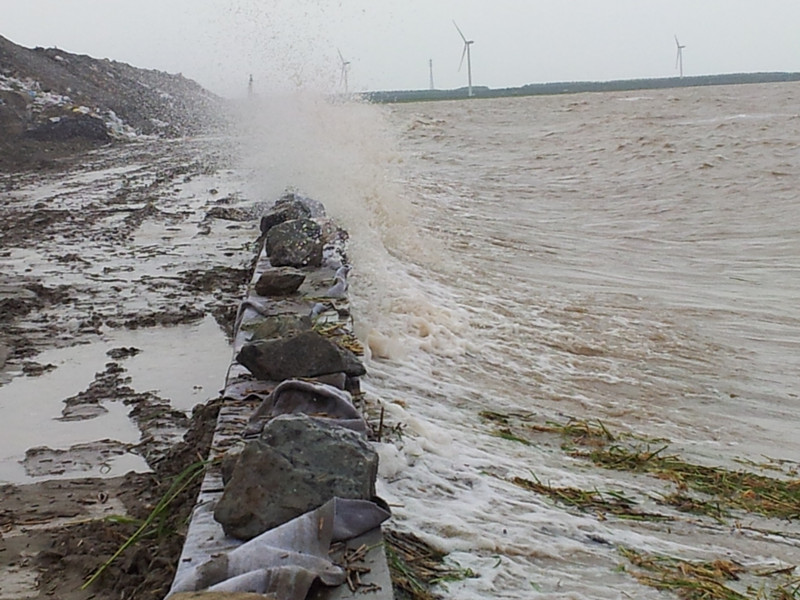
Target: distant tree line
574 87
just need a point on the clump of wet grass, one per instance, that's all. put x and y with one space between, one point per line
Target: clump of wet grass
601 503
690 580
729 490
520 426
718 490
416 567
710 580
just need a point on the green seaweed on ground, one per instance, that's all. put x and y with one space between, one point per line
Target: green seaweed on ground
416 567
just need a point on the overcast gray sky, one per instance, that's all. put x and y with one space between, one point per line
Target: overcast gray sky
286 43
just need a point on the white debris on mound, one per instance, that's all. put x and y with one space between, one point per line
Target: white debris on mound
44 101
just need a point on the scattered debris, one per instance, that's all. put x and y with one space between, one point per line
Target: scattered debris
417 567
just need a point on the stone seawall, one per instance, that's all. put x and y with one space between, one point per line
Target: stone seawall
287 507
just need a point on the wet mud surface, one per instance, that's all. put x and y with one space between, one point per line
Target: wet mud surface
120 278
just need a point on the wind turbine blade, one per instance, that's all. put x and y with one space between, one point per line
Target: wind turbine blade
340 55
463 54
459 31
677 43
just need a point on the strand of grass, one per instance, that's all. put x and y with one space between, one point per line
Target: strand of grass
606 431
181 482
509 435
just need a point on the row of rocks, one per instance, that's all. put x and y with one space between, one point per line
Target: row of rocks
302 457
292 442
304 442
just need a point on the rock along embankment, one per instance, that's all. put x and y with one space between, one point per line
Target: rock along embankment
288 507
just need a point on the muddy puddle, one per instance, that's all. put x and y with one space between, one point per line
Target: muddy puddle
182 364
118 289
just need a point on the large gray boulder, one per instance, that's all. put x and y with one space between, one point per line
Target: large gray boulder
295 243
279 326
279 281
289 207
297 465
307 354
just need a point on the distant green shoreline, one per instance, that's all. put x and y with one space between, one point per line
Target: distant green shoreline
574 87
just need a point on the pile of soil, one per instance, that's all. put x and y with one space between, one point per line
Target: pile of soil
55 105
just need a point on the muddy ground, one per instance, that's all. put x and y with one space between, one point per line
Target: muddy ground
120 275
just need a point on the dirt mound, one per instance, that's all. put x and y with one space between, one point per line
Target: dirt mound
54 103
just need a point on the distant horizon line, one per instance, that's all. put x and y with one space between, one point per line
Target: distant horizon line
566 87
600 81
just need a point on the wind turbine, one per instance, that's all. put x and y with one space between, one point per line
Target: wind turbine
465 52
345 69
679 57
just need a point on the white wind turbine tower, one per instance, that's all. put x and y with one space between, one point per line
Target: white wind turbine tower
679 57
465 52
345 69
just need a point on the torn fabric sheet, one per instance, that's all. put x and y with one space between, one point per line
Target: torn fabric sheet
308 397
285 561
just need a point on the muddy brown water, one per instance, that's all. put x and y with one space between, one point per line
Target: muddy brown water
632 258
